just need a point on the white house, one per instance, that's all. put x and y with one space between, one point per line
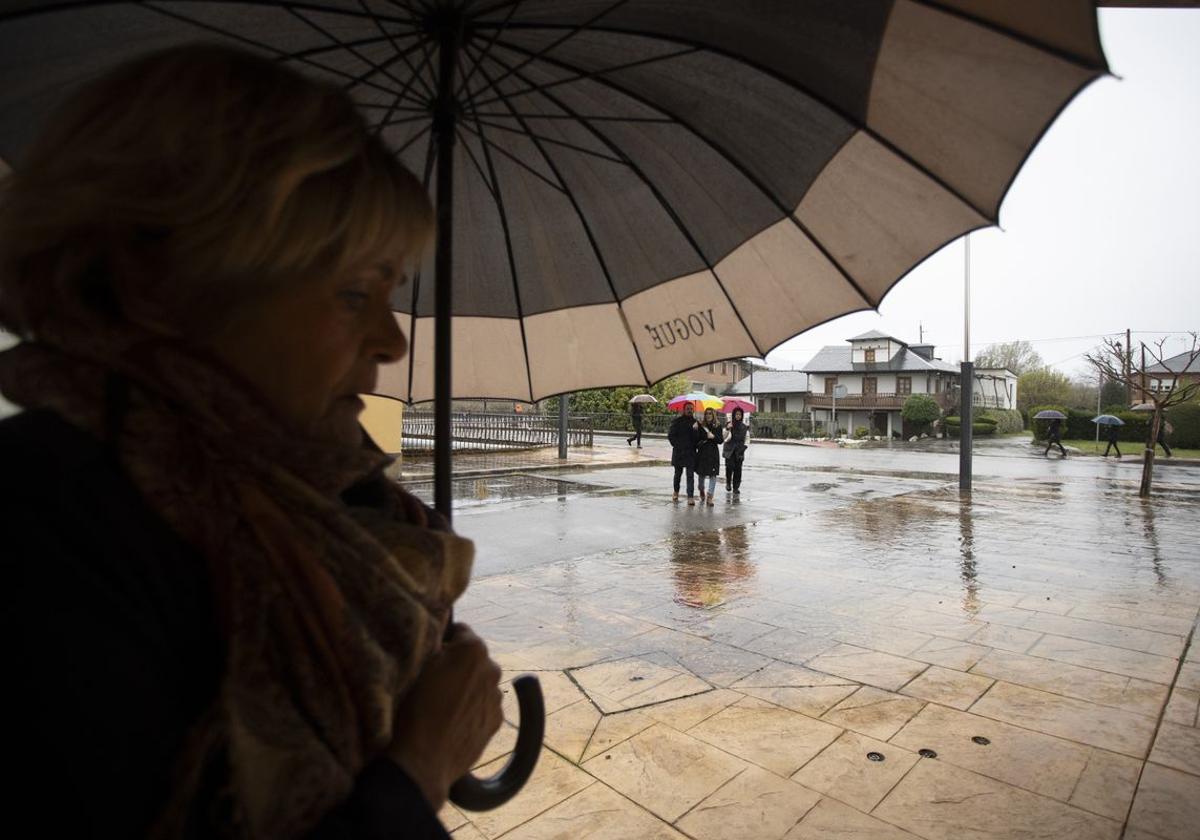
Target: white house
880 372
774 390
994 388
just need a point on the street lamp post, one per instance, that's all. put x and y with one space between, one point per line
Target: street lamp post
967 375
838 391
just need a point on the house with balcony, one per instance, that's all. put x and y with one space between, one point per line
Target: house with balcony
879 372
774 391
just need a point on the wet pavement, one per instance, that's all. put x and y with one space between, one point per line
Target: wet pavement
849 649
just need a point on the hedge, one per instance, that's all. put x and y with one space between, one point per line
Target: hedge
1186 420
1008 420
984 426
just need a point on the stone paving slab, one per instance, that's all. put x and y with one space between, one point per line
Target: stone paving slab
735 676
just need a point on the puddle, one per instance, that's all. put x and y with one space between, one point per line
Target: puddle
711 567
472 492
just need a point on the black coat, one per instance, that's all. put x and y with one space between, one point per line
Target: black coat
1054 433
111 642
734 449
683 441
708 450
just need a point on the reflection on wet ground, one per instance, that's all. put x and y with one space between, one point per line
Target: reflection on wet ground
724 672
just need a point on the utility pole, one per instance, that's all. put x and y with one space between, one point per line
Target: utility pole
1142 395
920 333
563 400
967 375
1128 362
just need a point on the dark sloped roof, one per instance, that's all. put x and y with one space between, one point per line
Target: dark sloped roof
836 359
876 334
1176 364
773 382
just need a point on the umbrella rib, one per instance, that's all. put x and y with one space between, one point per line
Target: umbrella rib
512 262
858 124
278 53
413 139
48 9
487 182
580 76
571 33
592 117
378 68
583 150
516 160
464 85
788 212
392 40
587 229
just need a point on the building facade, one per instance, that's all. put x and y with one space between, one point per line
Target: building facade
879 373
1183 369
717 377
774 391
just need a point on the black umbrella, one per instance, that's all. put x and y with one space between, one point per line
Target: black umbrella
630 188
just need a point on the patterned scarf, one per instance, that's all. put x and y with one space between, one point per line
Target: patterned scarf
327 611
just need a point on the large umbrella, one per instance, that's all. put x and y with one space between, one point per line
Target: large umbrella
643 398
698 400
1049 414
1108 420
630 188
730 403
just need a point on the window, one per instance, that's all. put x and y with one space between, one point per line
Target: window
778 405
712 367
723 369
870 385
762 404
870 353
904 385
830 381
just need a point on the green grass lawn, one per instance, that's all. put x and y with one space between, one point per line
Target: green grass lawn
1090 447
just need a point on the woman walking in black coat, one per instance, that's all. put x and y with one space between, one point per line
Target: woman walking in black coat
708 454
737 434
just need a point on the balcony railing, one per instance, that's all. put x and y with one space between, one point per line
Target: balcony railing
874 401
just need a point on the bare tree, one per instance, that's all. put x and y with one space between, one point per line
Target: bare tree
1115 363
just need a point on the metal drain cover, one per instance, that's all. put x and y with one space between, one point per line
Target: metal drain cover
927 753
874 756
979 739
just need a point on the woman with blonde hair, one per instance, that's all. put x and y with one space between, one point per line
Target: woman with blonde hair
223 619
708 456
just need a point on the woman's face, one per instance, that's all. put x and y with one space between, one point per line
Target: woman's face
312 348
738 415
710 416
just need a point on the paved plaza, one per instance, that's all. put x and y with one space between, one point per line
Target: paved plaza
850 649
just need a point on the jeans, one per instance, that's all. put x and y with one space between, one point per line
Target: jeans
712 483
733 473
691 479
637 432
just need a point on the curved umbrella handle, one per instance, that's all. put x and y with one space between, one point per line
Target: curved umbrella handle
475 794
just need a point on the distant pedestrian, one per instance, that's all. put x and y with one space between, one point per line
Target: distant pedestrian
635 415
1112 440
708 455
1164 429
683 434
737 438
1054 437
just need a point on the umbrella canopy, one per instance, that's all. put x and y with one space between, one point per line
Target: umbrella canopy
1143 407
698 400
1108 420
643 398
1049 414
730 403
639 186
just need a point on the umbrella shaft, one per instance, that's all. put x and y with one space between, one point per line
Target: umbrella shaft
444 128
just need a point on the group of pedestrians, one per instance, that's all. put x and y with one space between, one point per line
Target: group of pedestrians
697 447
1054 438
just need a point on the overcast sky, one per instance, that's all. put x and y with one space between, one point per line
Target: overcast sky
1101 229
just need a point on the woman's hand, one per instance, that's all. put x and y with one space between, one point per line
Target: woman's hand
449 715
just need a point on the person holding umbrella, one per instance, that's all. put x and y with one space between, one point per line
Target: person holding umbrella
708 455
221 618
1113 431
683 435
1164 429
1054 436
635 417
736 435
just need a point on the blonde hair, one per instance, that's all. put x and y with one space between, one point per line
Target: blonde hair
192 178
